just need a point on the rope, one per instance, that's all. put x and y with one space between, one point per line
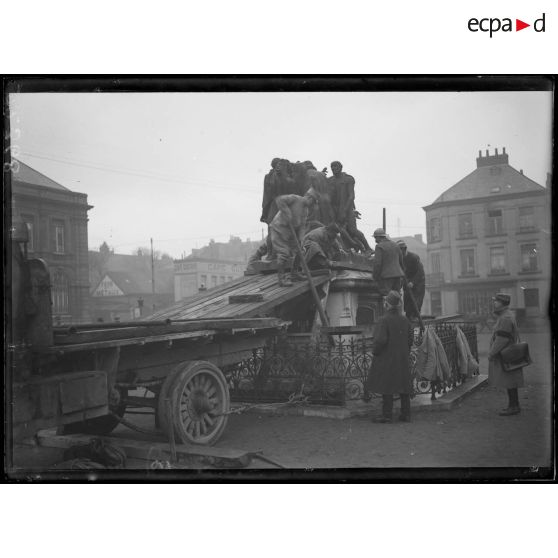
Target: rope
294 399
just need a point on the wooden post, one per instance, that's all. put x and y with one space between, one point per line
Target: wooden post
323 317
384 219
152 278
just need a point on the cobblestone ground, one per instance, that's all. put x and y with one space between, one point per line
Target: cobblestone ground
470 435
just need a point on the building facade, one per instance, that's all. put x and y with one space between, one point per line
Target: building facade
193 274
489 233
56 219
122 287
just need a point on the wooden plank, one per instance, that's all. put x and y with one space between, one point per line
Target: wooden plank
273 296
82 337
257 285
76 347
240 299
150 450
191 305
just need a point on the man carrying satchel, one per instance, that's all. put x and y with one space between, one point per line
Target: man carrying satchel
504 333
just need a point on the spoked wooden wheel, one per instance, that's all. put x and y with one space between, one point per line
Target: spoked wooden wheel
199 400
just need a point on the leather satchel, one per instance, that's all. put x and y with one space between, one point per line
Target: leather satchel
515 356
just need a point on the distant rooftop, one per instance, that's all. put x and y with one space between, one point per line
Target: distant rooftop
24 173
492 177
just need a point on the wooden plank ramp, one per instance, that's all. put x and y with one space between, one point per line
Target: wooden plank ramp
215 303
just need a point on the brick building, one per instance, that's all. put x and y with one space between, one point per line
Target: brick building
489 233
56 218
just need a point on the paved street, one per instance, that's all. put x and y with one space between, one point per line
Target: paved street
471 435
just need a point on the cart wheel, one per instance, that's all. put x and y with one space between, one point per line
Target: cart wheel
199 397
100 425
161 419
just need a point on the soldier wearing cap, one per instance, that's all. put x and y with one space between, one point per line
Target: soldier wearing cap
390 372
388 264
293 213
504 333
414 281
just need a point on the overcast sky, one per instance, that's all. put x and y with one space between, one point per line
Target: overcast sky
186 167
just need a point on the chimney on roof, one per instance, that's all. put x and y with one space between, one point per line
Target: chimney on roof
491 160
520 171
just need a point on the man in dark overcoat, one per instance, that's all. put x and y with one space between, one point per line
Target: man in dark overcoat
414 281
390 371
388 264
504 333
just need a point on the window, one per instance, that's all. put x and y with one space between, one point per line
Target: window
229 278
477 302
214 280
467 261
58 237
435 230
495 221
203 280
531 298
466 224
29 220
60 293
221 279
526 218
529 257
497 259
435 261
436 303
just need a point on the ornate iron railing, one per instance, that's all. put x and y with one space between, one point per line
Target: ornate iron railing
330 372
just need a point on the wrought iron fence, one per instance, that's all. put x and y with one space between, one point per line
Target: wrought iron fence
331 372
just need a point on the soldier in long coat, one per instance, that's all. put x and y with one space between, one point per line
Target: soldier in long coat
390 371
388 264
504 334
414 279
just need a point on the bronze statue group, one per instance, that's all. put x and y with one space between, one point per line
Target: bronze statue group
304 205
